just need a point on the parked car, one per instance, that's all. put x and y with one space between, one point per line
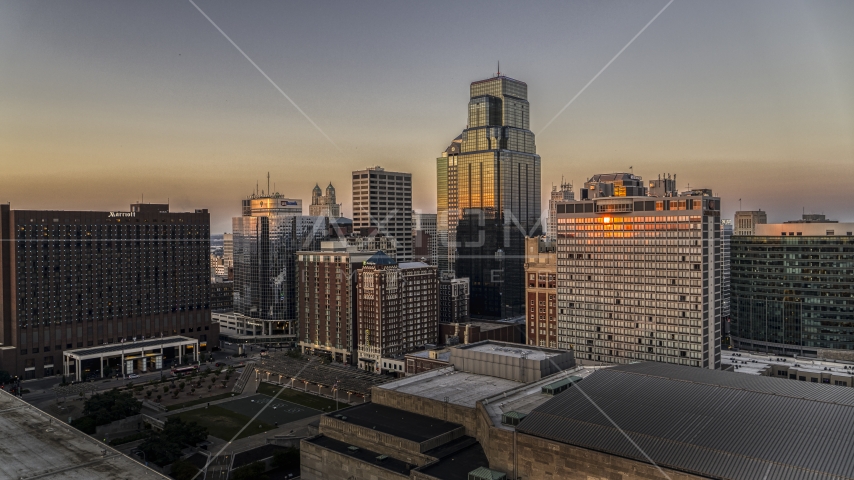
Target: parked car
133 375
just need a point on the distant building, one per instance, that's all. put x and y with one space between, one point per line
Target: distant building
228 250
382 203
76 279
663 186
639 278
541 292
397 310
478 331
613 185
373 243
560 193
327 299
454 299
790 285
324 205
746 221
266 239
424 239
726 240
222 296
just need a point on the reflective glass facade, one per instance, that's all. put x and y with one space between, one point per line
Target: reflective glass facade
265 249
489 197
793 294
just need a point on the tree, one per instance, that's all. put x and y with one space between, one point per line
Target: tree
165 447
111 406
5 377
183 470
253 471
85 424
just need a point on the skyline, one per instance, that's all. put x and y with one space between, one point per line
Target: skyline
98 110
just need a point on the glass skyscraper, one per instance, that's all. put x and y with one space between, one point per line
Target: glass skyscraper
489 197
792 289
266 239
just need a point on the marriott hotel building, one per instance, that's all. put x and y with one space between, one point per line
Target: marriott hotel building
71 280
639 279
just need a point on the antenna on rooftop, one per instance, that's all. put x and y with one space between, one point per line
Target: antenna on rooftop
499 69
268 182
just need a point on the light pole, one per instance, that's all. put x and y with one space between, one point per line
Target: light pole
143 455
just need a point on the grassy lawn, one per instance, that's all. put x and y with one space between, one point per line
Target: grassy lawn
300 398
223 423
198 401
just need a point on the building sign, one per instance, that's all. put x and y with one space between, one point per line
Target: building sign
287 203
121 214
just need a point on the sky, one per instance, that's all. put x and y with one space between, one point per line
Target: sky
103 103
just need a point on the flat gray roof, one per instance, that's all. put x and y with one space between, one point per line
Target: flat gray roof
148 343
460 388
35 444
510 350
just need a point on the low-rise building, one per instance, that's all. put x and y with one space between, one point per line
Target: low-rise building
476 419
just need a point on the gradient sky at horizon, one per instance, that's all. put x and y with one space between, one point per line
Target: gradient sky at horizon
102 102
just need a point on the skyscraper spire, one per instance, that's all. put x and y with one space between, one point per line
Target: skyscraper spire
499 69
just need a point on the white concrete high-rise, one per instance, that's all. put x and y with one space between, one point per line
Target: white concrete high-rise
639 279
382 203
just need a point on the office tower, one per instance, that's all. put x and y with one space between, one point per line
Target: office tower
489 197
324 205
424 239
746 221
639 279
228 250
372 243
454 299
397 307
726 239
541 292
327 299
266 239
222 296
614 185
74 279
560 193
663 186
791 289
382 203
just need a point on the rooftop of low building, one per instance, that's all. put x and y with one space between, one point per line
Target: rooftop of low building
36 445
453 386
399 423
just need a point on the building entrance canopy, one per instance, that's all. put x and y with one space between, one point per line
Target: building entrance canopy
128 351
